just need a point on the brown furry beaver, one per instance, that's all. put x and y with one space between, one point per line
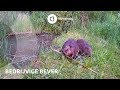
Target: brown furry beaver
70 48
84 48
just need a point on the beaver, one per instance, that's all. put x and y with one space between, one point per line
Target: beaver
84 48
70 49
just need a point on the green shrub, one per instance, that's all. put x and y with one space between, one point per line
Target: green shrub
40 23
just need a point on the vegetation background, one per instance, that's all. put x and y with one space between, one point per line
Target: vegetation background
100 28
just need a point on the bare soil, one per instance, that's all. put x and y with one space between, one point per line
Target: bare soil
22 48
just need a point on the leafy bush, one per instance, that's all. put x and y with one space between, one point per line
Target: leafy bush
40 23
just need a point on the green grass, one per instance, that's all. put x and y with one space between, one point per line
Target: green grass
104 60
3 62
22 24
108 30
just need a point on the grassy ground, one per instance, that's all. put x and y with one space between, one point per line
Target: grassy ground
105 59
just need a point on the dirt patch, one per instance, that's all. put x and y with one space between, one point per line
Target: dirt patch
23 48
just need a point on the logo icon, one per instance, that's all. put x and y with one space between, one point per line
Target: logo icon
52 18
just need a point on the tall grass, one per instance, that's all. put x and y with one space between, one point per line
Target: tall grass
4 30
108 30
22 24
8 17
